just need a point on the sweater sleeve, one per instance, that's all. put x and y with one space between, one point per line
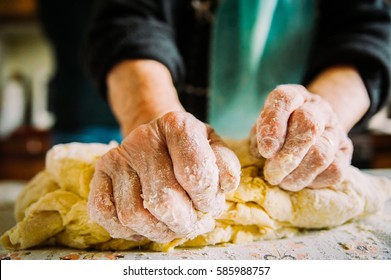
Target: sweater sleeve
135 29
358 33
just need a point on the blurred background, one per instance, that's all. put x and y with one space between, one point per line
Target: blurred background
30 43
46 96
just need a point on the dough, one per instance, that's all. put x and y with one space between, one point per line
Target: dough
51 210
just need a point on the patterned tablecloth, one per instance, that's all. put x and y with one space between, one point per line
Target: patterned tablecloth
369 238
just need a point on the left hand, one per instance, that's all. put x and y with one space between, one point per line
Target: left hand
166 180
300 136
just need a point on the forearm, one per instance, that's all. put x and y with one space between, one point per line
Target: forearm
344 89
140 91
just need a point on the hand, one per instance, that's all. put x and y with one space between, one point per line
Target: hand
299 135
163 172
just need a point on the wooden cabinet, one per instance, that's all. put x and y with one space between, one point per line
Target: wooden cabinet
24 49
381 144
371 150
23 154
17 9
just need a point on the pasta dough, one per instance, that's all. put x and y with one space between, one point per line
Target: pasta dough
52 207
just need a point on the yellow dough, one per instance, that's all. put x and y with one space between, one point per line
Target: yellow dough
52 207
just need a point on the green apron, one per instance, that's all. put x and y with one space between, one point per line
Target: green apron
256 45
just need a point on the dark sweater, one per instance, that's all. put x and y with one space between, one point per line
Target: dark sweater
72 96
173 32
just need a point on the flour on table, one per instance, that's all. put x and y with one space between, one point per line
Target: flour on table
51 210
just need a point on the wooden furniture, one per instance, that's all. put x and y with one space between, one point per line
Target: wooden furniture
381 145
371 150
22 155
17 10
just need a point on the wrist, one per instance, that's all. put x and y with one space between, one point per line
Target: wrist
140 91
343 88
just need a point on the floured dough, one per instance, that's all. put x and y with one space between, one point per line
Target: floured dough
52 207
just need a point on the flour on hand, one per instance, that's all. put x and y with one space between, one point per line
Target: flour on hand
52 209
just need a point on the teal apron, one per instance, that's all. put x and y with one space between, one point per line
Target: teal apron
256 45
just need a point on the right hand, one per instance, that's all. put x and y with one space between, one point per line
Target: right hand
166 180
302 139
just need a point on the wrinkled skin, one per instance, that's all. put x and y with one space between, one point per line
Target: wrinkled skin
160 179
300 136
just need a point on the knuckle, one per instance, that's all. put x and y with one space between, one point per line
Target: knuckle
320 156
141 131
307 118
283 94
112 156
133 139
306 121
174 119
110 163
278 93
181 123
171 117
335 172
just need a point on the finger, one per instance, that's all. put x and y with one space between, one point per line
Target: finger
305 126
101 208
162 194
318 158
331 176
193 159
253 142
335 173
227 163
129 204
272 123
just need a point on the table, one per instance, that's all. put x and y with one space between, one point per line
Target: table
368 238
